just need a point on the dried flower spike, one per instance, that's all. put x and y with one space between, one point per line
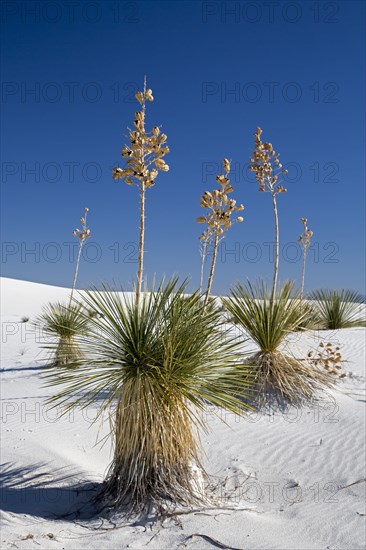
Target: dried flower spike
266 166
219 219
143 163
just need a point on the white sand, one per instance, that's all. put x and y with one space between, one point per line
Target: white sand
304 487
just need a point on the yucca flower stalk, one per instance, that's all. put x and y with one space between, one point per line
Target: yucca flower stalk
82 235
144 157
219 217
204 239
339 308
65 323
281 379
267 167
154 365
304 240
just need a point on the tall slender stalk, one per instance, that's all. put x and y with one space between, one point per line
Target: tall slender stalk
205 239
277 248
76 272
141 243
144 160
303 274
203 260
212 270
140 271
304 240
82 236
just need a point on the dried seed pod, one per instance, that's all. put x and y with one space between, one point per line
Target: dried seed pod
148 95
152 174
126 151
117 173
140 97
221 178
159 163
226 165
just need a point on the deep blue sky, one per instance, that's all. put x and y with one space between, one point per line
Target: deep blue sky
299 73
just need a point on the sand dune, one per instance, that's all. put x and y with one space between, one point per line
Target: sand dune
297 480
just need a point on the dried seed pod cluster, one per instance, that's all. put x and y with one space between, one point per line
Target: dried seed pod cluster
146 150
305 237
85 232
330 358
220 207
206 236
266 165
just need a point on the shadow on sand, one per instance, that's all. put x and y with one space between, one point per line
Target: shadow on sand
45 493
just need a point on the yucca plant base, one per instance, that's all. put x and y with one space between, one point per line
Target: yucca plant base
66 352
156 453
282 381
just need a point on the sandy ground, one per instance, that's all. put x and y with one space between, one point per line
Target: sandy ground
297 480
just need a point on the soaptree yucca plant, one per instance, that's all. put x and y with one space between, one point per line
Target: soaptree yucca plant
218 219
154 365
266 165
63 323
281 379
144 156
339 308
268 316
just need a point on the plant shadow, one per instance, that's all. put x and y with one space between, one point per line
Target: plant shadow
48 494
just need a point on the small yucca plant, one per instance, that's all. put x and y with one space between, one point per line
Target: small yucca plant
281 378
339 308
219 219
154 364
66 323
